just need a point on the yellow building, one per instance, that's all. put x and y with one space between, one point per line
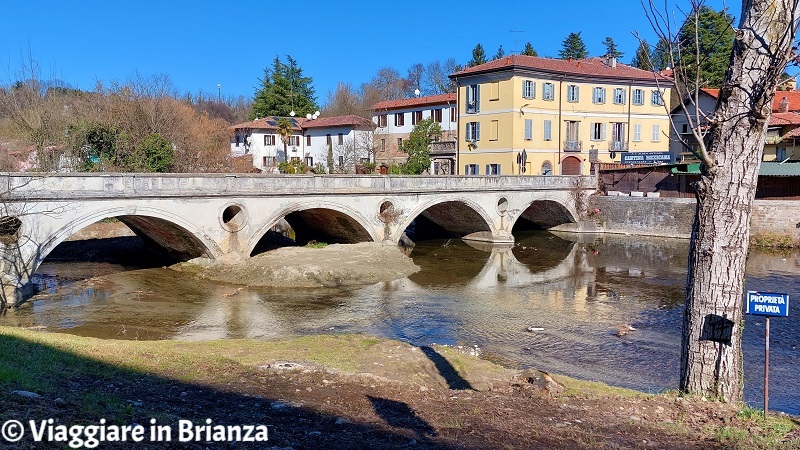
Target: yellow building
558 116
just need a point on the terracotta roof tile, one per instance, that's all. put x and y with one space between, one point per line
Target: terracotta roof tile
793 97
595 67
269 123
786 118
337 121
417 101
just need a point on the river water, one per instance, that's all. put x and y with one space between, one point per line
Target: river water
573 292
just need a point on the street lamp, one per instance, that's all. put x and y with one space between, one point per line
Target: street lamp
219 93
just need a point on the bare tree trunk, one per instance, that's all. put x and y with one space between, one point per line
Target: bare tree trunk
711 362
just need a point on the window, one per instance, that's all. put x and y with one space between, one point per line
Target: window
617 143
656 133
399 119
780 153
341 160
308 140
473 98
493 169
619 96
264 161
572 143
547 168
436 115
383 145
598 131
548 133
548 91
529 89
657 98
310 161
494 127
473 131
295 158
598 95
494 90
399 143
238 140
572 93
453 114
269 139
328 139
416 117
382 120
638 97
637 132
341 139
528 129
294 141
471 169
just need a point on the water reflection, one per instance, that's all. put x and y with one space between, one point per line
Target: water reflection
577 289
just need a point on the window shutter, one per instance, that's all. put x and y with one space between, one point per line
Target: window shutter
533 89
468 129
477 131
528 129
488 169
547 130
477 97
602 132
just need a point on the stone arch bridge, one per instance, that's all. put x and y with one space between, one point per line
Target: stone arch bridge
211 215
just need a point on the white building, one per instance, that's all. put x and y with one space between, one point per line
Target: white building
350 139
260 139
394 120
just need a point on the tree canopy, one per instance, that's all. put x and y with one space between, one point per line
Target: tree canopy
529 50
283 89
478 56
713 42
611 48
500 53
573 47
642 57
416 146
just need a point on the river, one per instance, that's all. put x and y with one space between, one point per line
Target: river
574 293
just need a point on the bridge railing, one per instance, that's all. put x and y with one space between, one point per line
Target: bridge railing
20 186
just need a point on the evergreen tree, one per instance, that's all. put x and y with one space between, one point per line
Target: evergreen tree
611 48
529 50
642 57
573 47
660 57
500 53
284 89
714 39
416 146
478 56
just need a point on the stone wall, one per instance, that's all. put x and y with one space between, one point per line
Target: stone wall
673 217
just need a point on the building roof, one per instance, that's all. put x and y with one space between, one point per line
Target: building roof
793 97
766 169
338 121
594 67
777 119
416 101
270 123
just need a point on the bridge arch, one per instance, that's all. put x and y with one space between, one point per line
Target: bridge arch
544 213
457 216
332 222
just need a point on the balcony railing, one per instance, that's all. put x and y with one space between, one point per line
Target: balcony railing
442 147
617 146
772 139
572 146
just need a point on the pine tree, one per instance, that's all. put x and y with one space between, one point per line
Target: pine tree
478 56
529 50
660 57
573 47
715 42
500 53
642 57
284 89
611 48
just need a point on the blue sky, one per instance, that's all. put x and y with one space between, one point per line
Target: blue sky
202 43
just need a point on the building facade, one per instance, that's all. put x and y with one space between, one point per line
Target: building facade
394 120
260 139
541 116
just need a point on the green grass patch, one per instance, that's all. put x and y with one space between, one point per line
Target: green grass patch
315 244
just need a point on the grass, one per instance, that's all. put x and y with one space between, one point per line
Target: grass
315 244
751 430
775 241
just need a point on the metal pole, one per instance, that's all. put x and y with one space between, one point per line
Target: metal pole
766 370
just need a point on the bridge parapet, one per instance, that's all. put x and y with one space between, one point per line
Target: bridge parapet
27 186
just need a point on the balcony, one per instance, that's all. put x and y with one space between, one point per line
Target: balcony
617 146
572 146
442 147
772 139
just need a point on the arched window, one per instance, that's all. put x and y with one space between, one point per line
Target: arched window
547 168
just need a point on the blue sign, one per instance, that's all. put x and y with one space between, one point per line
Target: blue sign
646 157
767 304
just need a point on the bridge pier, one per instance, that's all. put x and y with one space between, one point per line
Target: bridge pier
499 237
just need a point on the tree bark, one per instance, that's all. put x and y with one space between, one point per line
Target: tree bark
711 361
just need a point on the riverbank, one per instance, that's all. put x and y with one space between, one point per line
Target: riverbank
309 267
354 391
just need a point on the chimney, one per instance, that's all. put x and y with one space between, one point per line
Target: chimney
783 106
613 62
